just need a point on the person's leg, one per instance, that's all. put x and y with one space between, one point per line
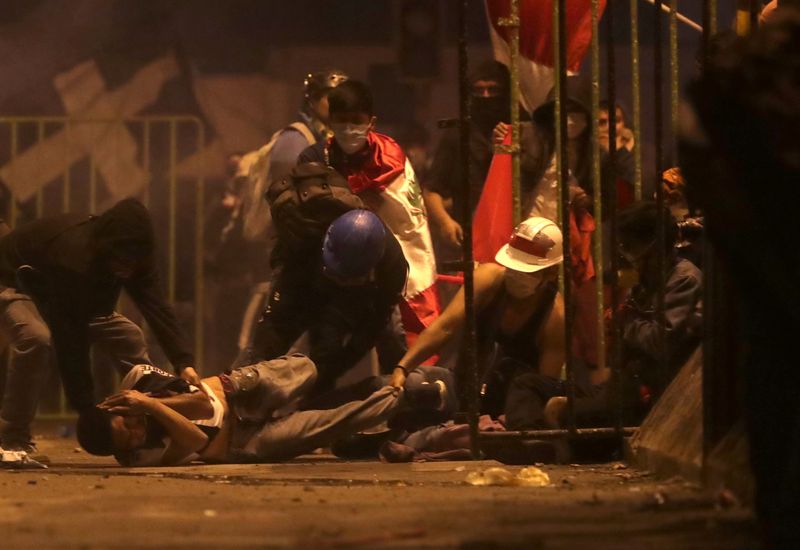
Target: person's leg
256 391
287 315
119 339
253 312
528 393
28 368
304 431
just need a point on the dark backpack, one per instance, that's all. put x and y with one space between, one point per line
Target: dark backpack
305 203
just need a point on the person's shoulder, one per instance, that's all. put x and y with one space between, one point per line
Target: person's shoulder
685 269
312 153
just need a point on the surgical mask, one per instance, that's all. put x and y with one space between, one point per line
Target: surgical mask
522 285
350 137
576 124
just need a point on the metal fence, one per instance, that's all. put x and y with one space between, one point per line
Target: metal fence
53 165
665 17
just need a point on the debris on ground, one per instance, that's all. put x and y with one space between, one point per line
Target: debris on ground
527 477
19 460
619 466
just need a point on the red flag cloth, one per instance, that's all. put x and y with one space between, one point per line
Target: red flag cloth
377 166
536 28
536 75
493 223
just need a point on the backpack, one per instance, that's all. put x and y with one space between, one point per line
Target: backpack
304 204
255 166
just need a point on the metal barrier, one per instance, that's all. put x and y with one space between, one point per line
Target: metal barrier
158 143
611 356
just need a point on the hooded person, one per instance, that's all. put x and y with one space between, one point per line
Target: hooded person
60 279
490 91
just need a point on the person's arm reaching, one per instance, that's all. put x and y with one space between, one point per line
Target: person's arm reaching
488 280
145 290
449 228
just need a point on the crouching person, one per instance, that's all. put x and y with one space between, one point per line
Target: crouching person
159 419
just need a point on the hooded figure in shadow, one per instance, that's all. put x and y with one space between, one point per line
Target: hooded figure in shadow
60 280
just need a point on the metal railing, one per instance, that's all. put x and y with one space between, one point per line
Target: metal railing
612 357
72 182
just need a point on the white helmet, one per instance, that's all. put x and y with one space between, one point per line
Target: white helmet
535 245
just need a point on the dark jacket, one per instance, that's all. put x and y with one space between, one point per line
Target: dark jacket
683 315
73 283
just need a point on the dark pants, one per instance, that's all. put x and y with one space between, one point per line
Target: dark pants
343 324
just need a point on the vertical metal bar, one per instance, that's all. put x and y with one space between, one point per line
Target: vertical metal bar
658 123
712 17
598 187
674 80
199 279
173 213
560 47
14 211
513 26
709 23
637 101
470 363
146 160
616 364
40 191
67 192
92 186
743 17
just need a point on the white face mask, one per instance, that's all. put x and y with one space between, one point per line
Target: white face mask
350 137
576 124
522 285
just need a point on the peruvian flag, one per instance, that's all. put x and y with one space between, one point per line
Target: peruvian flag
536 72
386 183
494 215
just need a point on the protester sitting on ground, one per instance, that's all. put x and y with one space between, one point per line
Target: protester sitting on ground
378 172
159 419
519 312
643 378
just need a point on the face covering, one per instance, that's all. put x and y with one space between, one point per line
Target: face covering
350 137
522 285
576 124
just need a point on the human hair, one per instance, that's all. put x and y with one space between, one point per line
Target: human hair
604 107
638 223
94 432
351 96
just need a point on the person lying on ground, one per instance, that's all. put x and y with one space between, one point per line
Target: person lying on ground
158 419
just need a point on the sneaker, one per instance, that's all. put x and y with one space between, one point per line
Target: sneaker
25 445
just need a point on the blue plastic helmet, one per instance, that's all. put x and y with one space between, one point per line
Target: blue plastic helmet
354 243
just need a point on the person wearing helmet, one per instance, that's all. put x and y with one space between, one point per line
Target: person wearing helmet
343 296
519 311
313 116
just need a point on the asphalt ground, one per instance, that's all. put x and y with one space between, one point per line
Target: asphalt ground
317 501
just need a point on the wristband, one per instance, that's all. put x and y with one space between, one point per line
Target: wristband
401 367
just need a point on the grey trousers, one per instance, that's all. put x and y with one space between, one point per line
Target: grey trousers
31 355
276 383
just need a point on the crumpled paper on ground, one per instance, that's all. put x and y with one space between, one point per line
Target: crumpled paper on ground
526 477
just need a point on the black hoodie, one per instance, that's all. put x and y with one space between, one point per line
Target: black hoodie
73 283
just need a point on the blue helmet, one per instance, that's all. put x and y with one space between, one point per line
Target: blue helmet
354 243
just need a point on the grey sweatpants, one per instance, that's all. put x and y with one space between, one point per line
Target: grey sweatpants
31 355
267 386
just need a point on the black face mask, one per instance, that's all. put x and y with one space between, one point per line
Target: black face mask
488 111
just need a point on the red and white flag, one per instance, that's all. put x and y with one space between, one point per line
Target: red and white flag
536 63
494 216
387 184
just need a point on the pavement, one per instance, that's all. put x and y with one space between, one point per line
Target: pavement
317 501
